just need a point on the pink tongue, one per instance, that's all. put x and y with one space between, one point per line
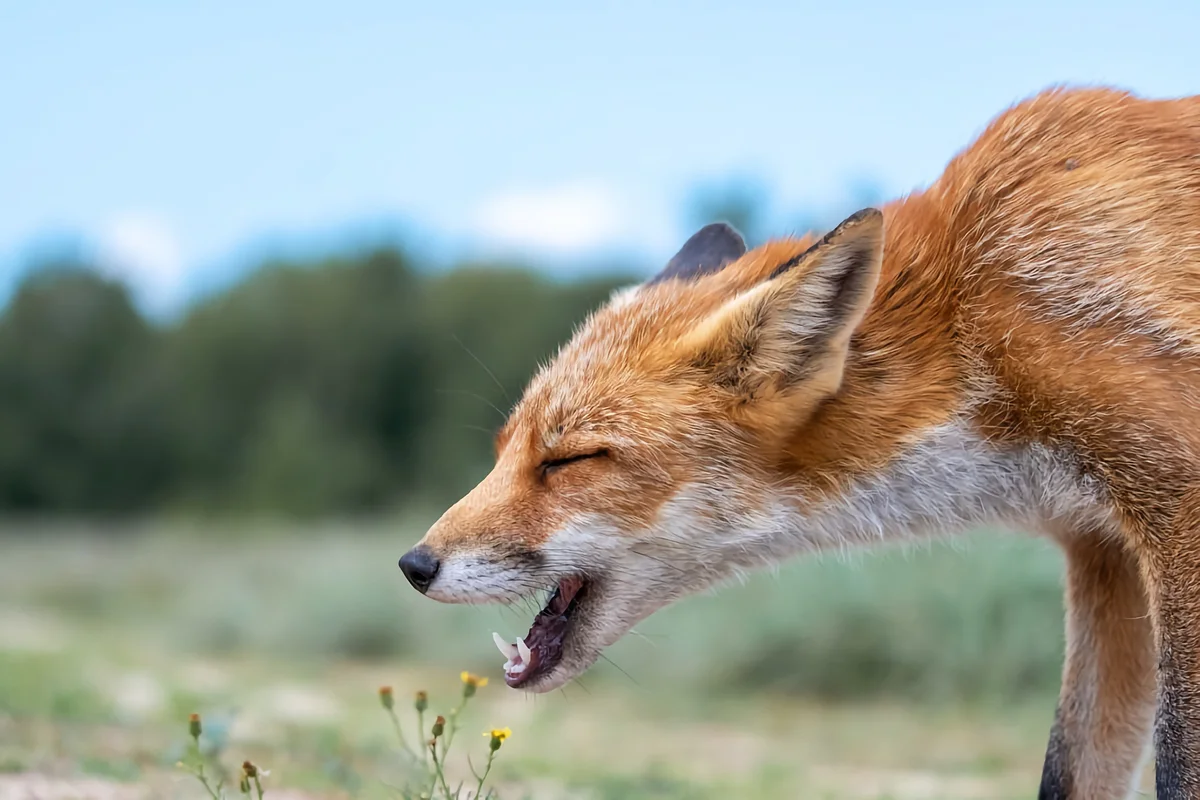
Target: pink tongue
546 634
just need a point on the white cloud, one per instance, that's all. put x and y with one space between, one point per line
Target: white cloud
563 219
142 250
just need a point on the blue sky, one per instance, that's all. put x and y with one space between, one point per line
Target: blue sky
181 139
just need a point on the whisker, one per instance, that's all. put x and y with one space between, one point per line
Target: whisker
478 361
665 563
479 397
479 428
648 637
620 669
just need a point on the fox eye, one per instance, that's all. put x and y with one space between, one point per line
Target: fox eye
552 464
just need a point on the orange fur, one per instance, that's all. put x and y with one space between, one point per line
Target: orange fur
1040 300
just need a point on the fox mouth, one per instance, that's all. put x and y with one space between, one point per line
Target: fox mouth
541 650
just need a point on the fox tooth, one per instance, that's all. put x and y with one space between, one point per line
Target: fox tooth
523 649
507 650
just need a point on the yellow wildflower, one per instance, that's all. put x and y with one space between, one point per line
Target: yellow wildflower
498 735
471 683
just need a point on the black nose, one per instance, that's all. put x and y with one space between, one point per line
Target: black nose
420 566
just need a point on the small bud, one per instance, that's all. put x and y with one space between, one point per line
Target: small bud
385 697
249 770
194 728
422 701
244 785
439 726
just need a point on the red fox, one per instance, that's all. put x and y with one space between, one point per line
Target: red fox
1018 344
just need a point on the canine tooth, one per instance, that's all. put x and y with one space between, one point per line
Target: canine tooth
523 649
517 669
507 650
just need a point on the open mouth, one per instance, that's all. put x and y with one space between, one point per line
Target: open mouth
540 651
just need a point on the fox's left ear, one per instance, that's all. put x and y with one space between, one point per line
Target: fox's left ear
795 326
709 250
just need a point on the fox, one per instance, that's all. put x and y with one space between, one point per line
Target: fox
1015 345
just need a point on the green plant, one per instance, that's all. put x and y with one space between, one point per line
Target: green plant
195 762
429 757
426 758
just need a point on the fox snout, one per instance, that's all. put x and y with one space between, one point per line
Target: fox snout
420 565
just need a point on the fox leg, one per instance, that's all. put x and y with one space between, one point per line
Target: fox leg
1173 578
1106 705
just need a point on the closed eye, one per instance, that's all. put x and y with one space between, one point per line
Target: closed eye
551 464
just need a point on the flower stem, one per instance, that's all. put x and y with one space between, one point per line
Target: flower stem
486 769
452 728
198 771
421 733
400 734
439 775
207 786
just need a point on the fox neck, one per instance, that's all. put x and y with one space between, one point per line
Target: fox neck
898 452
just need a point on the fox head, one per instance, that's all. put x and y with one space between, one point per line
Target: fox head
636 467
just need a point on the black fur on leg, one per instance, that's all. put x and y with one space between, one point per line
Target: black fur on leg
1056 770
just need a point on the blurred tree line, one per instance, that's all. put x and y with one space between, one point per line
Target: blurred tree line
340 386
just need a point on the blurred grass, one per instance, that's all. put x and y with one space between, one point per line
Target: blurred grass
937 661
978 620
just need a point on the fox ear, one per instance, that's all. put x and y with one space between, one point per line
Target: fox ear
708 251
795 326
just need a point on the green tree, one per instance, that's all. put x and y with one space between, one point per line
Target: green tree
319 359
80 393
